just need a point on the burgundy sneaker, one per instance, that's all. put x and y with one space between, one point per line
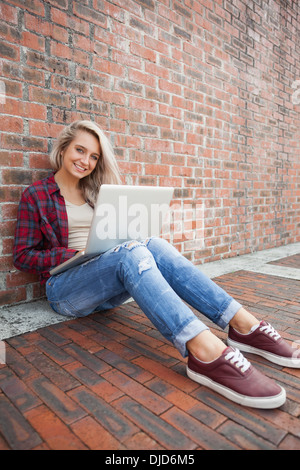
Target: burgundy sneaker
235 378
266 342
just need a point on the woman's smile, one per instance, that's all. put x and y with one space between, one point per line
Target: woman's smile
79 168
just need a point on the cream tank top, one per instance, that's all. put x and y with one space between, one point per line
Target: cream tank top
79 223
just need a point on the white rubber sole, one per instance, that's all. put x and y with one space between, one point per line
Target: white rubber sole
253 402
280 360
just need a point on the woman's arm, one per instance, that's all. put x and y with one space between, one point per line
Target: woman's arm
33 251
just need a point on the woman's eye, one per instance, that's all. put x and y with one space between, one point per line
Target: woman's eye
79 150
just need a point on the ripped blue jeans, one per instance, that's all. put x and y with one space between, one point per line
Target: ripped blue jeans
158 278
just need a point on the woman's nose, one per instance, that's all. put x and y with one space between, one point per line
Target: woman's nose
85 159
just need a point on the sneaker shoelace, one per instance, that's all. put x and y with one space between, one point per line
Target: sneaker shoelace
237 358
269 330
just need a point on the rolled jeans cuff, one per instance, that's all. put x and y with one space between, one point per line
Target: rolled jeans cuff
195 327
190 331
229 313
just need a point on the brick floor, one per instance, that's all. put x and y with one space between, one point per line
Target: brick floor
289 261
110 381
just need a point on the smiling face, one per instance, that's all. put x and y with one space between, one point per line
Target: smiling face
81 156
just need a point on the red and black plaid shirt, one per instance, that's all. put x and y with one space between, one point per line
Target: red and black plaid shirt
41 240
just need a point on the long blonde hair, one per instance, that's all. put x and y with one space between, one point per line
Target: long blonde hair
106 170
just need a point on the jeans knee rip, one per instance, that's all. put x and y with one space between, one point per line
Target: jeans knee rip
132 244
144 265
128 245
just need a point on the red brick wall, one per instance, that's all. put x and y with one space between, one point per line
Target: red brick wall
199 94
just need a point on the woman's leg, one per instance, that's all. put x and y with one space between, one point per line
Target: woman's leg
126 271
204 295
207 347
192 285
107 281
131 270
243 321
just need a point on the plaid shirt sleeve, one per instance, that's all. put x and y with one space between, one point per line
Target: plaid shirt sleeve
41 238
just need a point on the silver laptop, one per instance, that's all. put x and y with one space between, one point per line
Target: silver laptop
122 213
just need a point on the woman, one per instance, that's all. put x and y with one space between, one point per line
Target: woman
53 223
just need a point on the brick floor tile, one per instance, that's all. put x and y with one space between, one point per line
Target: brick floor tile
205 437
244 438
127 367
81 325
56 353
290 261
23 369
52 430
166 434
21 344
109 332
5 372
54 336
115 346
3 444
18 393
207 415
120 319
169 350
113 421
241 415
141 394
81 340
52 371
94 436
86 358
94 382
137 331
141 441
42 446
288 423
154 354
24 340
56 400
15 429
290 443
175 396
170 376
